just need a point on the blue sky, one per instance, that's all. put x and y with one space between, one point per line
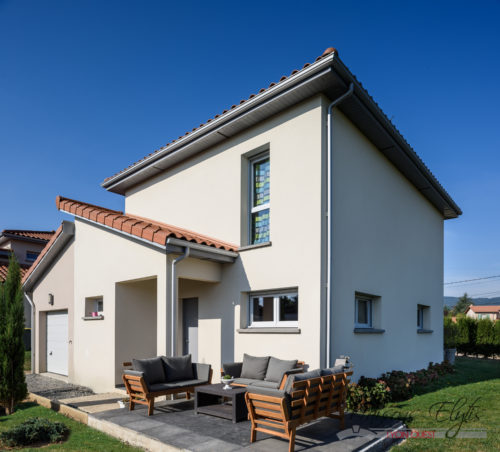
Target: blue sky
88 87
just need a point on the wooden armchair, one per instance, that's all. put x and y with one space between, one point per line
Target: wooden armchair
308 397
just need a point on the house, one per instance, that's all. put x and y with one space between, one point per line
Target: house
26 246
298 223
483 312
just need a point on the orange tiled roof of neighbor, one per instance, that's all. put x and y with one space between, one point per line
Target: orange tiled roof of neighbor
328 51
140 227
4 268
489 308
40 235
43 253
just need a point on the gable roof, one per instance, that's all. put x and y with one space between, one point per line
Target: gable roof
140 227
327 75
484 308
43 236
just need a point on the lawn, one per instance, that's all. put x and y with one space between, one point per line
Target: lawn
476 382
81 437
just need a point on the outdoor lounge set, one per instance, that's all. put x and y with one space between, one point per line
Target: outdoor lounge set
276 395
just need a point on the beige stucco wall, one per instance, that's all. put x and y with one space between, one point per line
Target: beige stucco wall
484 315
205 195
59 281
388 241
103 259
20 247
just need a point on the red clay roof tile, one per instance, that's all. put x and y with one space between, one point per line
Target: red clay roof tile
39 235
4 269
138 226
490 308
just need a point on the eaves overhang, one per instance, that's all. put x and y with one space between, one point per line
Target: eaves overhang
328 76
54 248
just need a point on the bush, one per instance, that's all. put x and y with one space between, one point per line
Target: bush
496 337
400 384
466 335
485 337
34 430
450 333
367 394
442 368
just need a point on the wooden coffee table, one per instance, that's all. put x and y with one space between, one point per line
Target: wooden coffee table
226 403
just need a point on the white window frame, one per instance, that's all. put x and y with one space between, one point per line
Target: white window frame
254 209
276 310
369 312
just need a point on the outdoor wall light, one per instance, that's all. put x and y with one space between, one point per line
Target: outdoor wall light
51 299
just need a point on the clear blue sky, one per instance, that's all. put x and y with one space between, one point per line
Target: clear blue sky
88 87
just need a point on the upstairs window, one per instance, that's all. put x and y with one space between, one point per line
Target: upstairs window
31 256
260 198
422 317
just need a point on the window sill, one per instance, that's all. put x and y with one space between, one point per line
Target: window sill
368 331
270 330
99 317
253 247
424 331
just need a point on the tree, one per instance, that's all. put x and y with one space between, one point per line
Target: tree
446 311
462 304
12 381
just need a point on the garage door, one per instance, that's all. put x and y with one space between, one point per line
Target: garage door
57 342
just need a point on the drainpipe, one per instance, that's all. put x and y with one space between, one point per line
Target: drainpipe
32 338
173 294
329 266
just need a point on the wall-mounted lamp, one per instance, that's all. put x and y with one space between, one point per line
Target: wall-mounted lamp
51 299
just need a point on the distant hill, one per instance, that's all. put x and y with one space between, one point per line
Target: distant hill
452 301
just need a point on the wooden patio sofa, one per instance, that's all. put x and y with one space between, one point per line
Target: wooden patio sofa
306 397
140 392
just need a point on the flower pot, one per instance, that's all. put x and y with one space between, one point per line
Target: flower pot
227 382
449 355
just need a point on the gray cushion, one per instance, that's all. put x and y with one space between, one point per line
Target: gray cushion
265 384
266 391
152 368
245 381
201 371
277 368
332 370
175 385
233 369
300 377
178 368
254 367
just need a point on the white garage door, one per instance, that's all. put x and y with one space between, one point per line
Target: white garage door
57 342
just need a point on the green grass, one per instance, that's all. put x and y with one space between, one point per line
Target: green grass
27 361
475 380
81 437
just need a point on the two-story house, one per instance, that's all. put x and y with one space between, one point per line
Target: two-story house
298 223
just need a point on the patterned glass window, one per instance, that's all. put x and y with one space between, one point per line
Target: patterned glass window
260 202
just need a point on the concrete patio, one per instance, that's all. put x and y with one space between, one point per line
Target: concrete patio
174 426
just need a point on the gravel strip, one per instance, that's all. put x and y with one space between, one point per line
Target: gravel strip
54 389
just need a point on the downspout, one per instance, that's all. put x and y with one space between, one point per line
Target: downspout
329 266
173 307
32 338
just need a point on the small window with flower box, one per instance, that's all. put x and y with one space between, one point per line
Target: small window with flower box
94 308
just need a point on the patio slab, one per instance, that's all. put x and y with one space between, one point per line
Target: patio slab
175 426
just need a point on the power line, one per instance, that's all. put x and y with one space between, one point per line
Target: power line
469 280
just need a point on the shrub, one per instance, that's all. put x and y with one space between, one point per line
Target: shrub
367 394
496 337
34 430
466 335
450 333
400 384
485 338
442 368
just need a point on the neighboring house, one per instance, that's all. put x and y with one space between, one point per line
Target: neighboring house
26 246
316 235
483 312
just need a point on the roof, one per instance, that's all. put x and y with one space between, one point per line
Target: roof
25 234
4 268
484 309
143 228
327 75
42 254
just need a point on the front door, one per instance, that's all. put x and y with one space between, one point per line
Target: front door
57 342
190 328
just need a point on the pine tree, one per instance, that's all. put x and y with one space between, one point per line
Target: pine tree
12 381
462 304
